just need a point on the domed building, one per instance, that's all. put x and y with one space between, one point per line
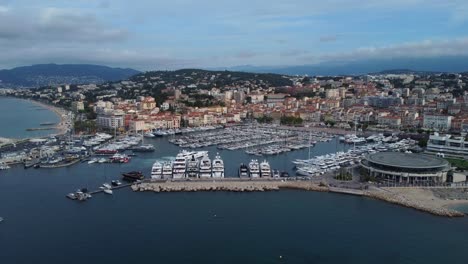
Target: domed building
406 168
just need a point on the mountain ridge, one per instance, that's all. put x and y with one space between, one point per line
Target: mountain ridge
57 74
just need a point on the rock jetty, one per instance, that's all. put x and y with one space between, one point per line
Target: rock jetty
399 198
227 186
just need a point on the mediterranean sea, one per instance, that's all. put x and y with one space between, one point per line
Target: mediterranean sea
42 226
17 115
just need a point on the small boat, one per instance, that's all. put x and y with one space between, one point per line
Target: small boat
71 196
1 219
107 186
143 148
108 191
116 183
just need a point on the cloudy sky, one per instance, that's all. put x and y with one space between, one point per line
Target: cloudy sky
157 34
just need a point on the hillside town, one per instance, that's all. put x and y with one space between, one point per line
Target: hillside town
195 98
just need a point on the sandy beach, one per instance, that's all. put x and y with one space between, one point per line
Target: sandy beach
61 127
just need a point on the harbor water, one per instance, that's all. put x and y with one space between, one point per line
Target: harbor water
210 227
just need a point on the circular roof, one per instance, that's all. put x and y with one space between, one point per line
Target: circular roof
407 160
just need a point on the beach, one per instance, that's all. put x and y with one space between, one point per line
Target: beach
62 126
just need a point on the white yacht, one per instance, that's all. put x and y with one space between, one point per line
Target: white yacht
254 169
156 170
107 186
265 169
193 167
179 166
167 170
108 191
205 167
218 167
149 135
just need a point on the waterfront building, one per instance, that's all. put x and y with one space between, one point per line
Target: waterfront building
448 145
406 168
434 121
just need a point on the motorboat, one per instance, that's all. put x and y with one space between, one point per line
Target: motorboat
149 135
254 169
116 183
218 167
265 170
108 191
107 186
143 148
205 167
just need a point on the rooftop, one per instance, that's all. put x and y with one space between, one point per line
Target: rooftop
407 160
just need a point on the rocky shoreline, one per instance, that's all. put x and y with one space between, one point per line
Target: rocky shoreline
396 197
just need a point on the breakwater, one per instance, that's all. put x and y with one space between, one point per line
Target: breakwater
264 186
231 186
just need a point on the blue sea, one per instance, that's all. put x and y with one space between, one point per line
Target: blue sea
17 115
42 226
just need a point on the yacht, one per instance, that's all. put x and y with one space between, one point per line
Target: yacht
192 168
218 167
254 169
107 186
179 167
205 167
116 183
143 148
243 171
156 170
265 169
149 135
108 191
167 170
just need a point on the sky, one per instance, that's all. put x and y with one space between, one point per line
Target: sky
156 34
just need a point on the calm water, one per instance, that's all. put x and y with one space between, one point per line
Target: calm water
17 115
302 227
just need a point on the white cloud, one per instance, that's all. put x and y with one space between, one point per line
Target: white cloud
422 49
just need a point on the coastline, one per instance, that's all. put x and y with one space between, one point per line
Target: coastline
59 129
419 199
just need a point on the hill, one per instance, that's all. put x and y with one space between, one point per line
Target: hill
206 78
56 74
